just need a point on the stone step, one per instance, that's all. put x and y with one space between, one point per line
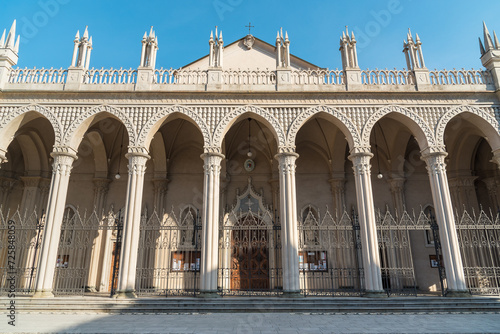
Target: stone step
217 305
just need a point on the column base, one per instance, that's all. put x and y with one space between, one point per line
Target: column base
292 294
458 293
90 289
43 294
375 294
208 294
124 294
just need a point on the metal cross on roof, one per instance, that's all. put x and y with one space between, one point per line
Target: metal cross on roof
249 26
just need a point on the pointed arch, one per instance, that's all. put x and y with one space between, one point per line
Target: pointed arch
74 133
12 122
265 116
340 119
485 122
417 126
155 122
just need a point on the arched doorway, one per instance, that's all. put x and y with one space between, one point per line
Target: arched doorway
250 247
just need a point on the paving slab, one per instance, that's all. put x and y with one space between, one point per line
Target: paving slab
241 323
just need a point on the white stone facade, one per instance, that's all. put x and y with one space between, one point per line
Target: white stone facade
308 129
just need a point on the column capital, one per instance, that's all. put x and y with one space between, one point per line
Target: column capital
137 162
495 159
435 161
361 162
31 181
212 158
284 156
397 183
337 182
433 151
286 161
101 184
63 162
3 156
64 151
491 184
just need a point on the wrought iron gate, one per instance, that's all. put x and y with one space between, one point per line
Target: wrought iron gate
396 262
169 254
20 239
479 240
329 255
84 245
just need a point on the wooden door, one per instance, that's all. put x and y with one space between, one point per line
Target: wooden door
250 263
115 258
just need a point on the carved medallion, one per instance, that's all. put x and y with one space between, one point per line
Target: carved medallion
249 41
249 165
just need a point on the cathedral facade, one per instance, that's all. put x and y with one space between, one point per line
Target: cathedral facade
311 181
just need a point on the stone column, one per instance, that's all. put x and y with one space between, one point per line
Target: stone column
210 224
397 186
131 225
289 226
61 169
368 229
452 259
101 187
338 193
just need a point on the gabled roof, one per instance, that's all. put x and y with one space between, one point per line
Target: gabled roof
261 55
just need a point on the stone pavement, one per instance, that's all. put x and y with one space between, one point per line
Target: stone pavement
236 323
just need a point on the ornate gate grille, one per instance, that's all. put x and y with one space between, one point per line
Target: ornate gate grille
82 240
250 248
329 255
479 240
398 275
20 238
169 254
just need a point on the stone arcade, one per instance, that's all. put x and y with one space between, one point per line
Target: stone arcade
273 207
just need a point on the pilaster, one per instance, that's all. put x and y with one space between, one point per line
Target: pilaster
131 226
215 81
422 79
31 193
452 259
75 78
210 224
360 158
397 186
463 192
145 78
61 170
101 187
492 186
283 78
6 186
160 186
353 79
338 193
289 225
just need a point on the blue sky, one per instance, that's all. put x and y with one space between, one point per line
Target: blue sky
448 29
